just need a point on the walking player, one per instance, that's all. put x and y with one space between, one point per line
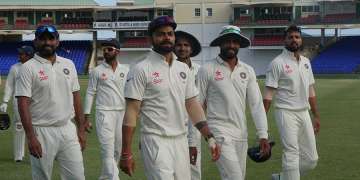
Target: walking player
107 82
226 85
290 77
48 95
187 46
162 90
25 53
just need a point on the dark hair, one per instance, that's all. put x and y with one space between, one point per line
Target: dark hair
292 28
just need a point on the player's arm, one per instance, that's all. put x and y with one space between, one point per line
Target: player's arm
79 119
89 99
24 111
255 102
197 115
314 109
9 89
268 96
131 114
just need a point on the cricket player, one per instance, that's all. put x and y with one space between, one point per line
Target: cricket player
187 46
226 85
48 95
107 82
25 53
163 91
290 78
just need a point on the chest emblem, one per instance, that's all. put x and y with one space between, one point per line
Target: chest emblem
288 69
243 75
103 76
122 75
183 75
42 75
219 75
306 66
66 71
156 78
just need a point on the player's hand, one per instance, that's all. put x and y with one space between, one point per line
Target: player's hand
127 164
193 155
35 147
88 124
3 107
316 125
214 149
264 147
82 138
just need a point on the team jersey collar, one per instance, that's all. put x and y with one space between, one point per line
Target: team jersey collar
290 54
221 61
43 60
156 55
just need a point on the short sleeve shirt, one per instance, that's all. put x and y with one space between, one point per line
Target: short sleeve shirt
292 80
163 89
50 88
108 85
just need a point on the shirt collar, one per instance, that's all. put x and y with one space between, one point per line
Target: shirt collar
290 55
43 60
221 61
156 55
108 65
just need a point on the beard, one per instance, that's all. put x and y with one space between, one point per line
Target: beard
47 51
161 49
228 53
294 48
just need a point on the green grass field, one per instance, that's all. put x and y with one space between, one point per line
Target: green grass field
338 142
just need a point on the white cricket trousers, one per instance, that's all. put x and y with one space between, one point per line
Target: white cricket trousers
109 132
165 158
60 144
232 161
298 142
19 134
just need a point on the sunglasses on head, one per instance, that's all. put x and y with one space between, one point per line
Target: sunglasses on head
48 28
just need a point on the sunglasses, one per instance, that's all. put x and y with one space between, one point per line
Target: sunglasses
109 49
46 28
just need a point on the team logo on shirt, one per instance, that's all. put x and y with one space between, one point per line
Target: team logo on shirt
122 75
288 69
306 66
42 75
66 71
156 78
103 76
243 75
183 75
218 75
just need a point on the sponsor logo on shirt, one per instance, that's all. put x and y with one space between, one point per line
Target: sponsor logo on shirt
288 69
156 78
243 75
66 71
183 75
42 75
218 75
103 76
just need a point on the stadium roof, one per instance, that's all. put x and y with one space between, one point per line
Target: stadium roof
47 4
256 2
138 4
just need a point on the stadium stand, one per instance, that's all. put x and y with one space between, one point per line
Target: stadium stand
267 40
78 51
339 18
140 42
310 19
343 57
76 23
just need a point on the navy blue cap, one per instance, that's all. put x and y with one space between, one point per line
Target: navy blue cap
26 49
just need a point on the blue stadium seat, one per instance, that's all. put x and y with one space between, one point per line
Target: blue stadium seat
74 50
343 57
